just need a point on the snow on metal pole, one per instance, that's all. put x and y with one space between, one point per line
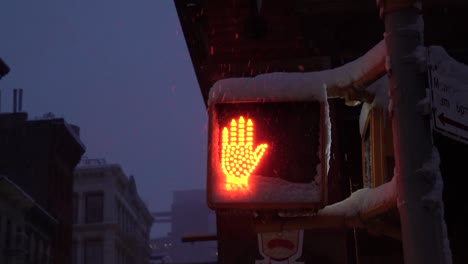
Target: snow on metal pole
422 224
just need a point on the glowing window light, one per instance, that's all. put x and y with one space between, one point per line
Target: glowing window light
238 159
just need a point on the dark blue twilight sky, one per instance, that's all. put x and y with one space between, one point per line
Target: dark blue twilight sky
121 71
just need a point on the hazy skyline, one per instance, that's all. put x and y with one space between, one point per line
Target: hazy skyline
121 71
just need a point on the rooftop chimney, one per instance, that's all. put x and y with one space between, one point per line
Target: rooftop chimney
17 100
15 92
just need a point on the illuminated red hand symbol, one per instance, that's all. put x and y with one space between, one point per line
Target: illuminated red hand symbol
238 159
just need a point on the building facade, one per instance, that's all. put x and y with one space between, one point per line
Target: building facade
25 227
39 157
111 222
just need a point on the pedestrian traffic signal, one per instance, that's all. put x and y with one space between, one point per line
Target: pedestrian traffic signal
238 159
267 155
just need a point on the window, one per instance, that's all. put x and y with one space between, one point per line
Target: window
1 229
93 252
75 208
32 248
39 250
120 212
94 203
8 235
74 252
119 254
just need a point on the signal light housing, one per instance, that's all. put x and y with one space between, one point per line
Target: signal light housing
269 155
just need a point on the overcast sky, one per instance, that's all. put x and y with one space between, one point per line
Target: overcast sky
121 71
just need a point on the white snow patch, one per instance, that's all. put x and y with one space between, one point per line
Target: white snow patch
424 105
365 110
432 168
269 189
420 53
278 86
296 86
435 195
327 142
362 200
380 90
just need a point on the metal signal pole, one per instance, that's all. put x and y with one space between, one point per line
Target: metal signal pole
422 225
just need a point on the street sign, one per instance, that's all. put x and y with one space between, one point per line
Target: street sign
448 82
267 155
281 247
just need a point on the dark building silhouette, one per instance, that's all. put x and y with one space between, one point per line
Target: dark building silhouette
26 229
4 69
39 156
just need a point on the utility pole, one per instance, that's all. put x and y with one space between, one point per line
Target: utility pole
422 225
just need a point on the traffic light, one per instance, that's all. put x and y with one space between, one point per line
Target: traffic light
267 155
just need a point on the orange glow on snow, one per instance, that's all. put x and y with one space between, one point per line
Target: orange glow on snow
238 159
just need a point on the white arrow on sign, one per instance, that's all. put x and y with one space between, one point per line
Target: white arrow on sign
449 122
